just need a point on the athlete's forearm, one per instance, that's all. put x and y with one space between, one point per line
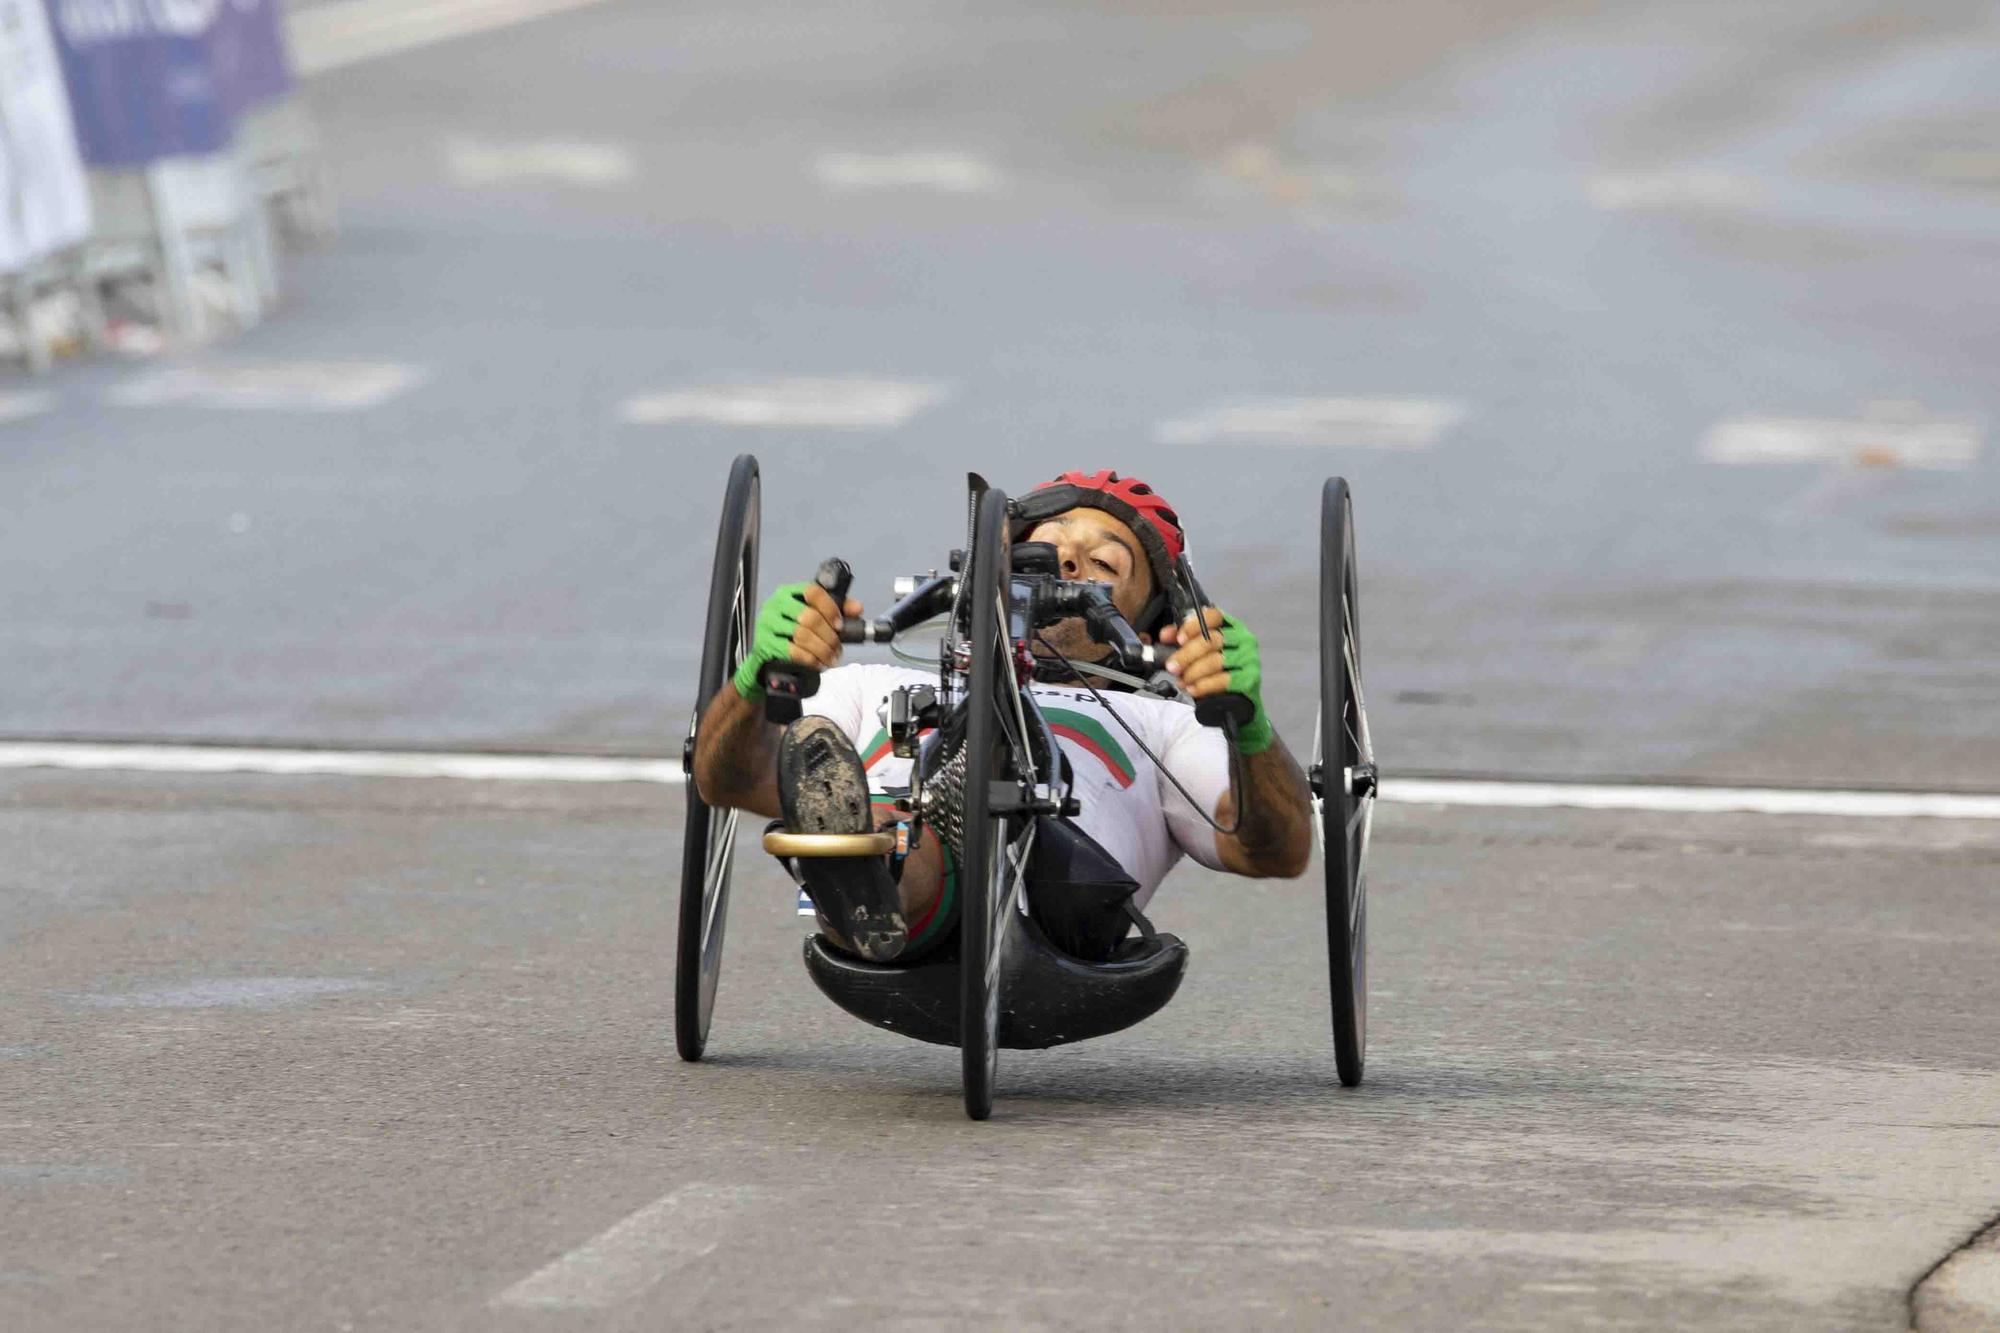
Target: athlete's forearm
736 754
1274 838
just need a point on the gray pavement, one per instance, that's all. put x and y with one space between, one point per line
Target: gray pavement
309 1053
305 1053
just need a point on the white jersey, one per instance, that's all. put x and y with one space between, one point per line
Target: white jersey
1127 806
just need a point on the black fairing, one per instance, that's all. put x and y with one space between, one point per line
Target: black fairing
1048 997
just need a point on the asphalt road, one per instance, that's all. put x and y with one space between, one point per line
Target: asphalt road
310 1054
306 1053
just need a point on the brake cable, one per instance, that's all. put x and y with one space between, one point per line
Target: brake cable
1108 673
1235 760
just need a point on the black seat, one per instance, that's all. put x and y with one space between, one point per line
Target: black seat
1047 998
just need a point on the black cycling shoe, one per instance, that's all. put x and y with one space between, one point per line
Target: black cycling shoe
823 789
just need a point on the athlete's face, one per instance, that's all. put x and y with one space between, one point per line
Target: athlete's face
1094 546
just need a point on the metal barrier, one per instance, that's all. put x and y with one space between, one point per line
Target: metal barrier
196 154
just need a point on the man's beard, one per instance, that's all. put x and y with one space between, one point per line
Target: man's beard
1068 638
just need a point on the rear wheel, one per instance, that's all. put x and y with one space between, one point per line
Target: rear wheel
1344 781
708 846
987 869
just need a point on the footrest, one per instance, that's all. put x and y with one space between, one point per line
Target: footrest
779 842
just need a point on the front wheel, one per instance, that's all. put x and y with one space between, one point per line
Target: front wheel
985 870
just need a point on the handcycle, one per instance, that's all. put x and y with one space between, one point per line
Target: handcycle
1006 985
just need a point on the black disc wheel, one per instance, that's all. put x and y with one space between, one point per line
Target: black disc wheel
709 844
986 872
1343 772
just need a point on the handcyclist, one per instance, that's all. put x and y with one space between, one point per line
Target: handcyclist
833 771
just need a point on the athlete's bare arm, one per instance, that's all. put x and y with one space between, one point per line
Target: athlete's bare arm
1275 839
735 749
1275 842
736 754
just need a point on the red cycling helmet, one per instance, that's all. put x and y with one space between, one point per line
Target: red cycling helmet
1130 501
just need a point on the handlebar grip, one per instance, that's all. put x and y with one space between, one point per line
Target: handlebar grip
1217 709
788 684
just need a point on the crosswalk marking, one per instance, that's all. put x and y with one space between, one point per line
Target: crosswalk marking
1912 440
637 1254
945 172
22 406
850 402
561 162
1379 423
281 386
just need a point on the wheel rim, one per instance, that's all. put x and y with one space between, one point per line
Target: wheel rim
1345 782
1357 774
993 867
1358 804
709 844
719 838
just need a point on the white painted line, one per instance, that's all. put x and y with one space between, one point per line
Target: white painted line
592 165
91 756
1379 423
22 406
946 172
854 402
1964 167
634 1256
335 763
1698 191
329 36
1964 1292
275 386
1692 800
1908 440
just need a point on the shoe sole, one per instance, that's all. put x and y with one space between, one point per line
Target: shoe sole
824 789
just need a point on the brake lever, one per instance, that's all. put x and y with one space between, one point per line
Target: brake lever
1228 711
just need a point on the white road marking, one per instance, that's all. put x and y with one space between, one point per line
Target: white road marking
278 386
329 36
21 406
141 758
1964 1292
854 402
1674 191
94 756
1891 438
1692 800
1380 423
634 1256
594 165
947 172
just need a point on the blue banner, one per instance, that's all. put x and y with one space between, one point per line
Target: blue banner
247 46
141 78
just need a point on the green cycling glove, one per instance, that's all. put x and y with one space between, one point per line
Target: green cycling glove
771 637
1245 665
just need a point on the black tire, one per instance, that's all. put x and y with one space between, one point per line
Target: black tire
1345 802
982 875
708 846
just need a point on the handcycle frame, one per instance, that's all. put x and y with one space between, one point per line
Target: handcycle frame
1005 984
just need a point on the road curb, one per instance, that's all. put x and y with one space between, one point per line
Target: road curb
1962 1294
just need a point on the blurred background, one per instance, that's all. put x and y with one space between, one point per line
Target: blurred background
377 366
